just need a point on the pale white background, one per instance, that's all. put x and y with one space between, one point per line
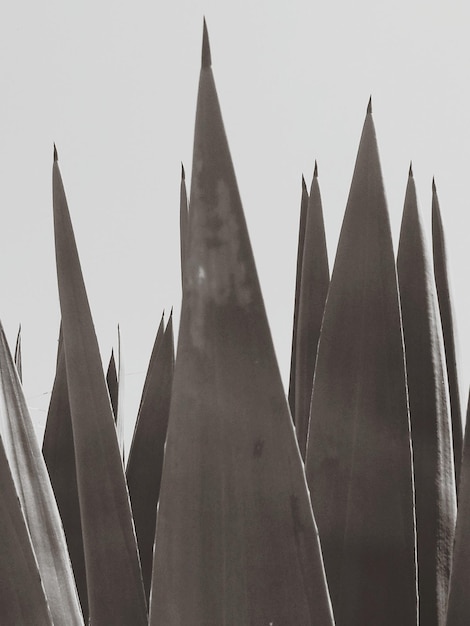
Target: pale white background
114 84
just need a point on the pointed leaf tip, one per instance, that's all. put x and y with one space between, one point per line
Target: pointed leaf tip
315 170
56 156
183 173
304 184
369 106
206 60
410 171
433 185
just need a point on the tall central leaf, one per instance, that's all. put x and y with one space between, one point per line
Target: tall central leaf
236 541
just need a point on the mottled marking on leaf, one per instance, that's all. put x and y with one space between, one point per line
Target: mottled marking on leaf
216 270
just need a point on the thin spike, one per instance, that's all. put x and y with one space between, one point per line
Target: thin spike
206 59
361 485
315 170
410 171
369 106
433 457
56 156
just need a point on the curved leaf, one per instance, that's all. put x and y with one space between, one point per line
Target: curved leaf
22 598
36 495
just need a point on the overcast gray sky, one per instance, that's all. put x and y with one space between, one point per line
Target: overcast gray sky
114 84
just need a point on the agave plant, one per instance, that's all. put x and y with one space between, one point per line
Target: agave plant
228 510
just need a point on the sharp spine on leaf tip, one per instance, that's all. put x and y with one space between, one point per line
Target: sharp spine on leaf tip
183 173
206 60
410 171
56 156
315 170
369 106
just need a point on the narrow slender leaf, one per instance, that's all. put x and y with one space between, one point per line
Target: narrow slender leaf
22 598
183 221
112 382
36 495
359 466
458 611
59 455
18 359
315 279
444 295
114 581
236 540
144 467
436 505
298 275
119 416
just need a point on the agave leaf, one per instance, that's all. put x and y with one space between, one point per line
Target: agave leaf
36 495
236 541
458 610
59 455
119 415
444 295
17 357
22 598
315 279
144 466
183 221
114 581
359 466
298 275
112 382
433 456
